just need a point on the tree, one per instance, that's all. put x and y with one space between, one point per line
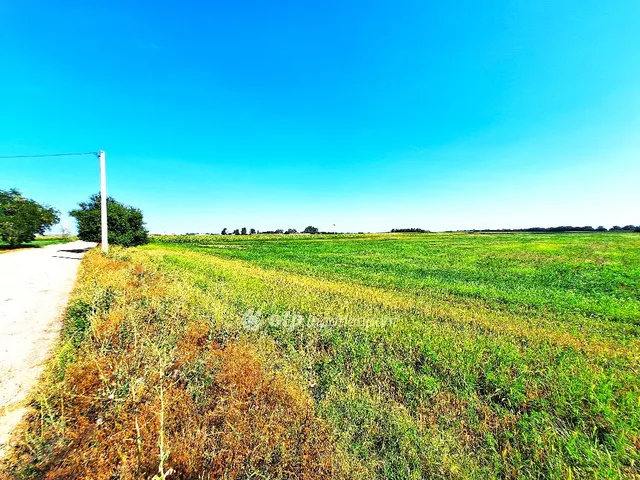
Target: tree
125 223
291 230
22 218
244 231
224 231
310 229
252 231
236 232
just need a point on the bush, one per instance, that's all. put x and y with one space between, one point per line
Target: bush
125 223
22 218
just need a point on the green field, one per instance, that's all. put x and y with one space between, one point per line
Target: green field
430 355
505 352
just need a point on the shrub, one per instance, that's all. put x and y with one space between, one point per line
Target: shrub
125 223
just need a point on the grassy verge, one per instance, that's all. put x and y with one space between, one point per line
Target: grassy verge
370 356
38 242
143 386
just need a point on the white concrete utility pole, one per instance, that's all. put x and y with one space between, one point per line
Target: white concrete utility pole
103 201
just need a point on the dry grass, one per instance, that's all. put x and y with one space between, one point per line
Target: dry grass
138 390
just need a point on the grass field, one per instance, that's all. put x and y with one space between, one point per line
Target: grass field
364 356
38 242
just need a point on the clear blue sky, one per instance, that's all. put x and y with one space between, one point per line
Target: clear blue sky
369 115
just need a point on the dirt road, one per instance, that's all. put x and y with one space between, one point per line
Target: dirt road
34 288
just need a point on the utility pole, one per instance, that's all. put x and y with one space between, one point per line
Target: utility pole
103 186
103 201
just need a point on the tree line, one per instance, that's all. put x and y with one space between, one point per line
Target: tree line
409 230
243 231
564 228
560 229
21 219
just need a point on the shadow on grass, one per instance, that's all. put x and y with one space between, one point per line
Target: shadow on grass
8 248
37 243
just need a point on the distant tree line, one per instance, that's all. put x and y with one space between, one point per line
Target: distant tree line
409 230
314 230
564 228
243 231
626 228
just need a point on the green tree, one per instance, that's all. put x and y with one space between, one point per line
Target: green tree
310 229
125 224
243 231
224 231
22 218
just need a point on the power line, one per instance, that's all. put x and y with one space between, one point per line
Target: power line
49 155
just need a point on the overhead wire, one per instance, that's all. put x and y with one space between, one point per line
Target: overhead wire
49 155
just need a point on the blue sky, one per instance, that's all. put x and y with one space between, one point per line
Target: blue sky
366 115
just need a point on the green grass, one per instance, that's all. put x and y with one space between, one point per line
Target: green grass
38 242
591 274
506 355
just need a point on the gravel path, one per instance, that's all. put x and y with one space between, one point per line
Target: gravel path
34 288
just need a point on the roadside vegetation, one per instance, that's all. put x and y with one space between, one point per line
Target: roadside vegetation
346 356
38 242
